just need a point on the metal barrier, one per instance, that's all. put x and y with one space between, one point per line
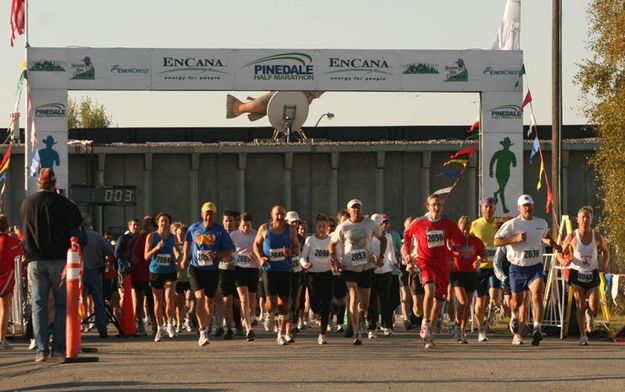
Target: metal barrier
17 316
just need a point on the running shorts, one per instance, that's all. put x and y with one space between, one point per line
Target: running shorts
522 277
486 280
157 281
201 279
466 280
246 277
181 287
362 279
277 283
585 280
439 278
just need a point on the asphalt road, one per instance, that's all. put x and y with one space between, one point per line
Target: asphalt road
398 363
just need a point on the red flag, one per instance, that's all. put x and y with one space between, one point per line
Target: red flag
18 15
528 99
468 151
474 126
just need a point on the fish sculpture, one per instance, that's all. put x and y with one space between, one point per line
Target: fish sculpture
257 107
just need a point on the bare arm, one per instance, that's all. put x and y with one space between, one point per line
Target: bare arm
603 247
185 255
383 243
258 244
149 251
515 239
567 244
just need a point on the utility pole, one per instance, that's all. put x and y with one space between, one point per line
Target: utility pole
556 109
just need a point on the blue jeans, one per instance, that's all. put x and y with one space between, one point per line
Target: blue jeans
93 282
44 275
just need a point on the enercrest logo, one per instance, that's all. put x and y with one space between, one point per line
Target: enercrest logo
501 72
130 70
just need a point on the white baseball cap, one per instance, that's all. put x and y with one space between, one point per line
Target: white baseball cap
377 218
524 199
352 202
292 216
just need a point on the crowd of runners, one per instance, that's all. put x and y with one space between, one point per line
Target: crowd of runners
228 274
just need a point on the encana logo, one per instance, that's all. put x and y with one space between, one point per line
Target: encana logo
358 64
51 110
505 112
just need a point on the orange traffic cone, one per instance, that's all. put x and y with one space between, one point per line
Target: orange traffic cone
127 322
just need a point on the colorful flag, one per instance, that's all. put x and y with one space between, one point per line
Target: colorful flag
474 126
450 174
462 162
467 151
535 148
18 16
23 75
35 164
4 165
540 175
527 100
444 191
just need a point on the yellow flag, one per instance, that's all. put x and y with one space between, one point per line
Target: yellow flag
463 162
540 175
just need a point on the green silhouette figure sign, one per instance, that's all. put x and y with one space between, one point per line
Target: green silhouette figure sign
48 156
502 160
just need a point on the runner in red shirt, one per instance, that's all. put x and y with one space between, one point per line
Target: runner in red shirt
427 242
10 248
463 276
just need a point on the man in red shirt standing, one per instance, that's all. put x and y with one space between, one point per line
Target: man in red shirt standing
427 242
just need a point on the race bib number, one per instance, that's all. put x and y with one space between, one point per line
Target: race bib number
357 257
490 252
163 260
243 258
276 254
322 253
584 277
204 258
531 253
435 238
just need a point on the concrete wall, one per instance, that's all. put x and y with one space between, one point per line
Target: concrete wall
391 177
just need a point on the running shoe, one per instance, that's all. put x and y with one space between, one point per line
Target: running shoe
428 343
289 338
187 326
590 321
220 331
583 340
170 330
250 335
268 323
481 337
339 328
387 331
40 357
159 333
516 340
492 316
372 334
457 332
203 340
357 341
254 321
322 339
281 341
536 337
407 325
514 326
463 339
32 345
178 328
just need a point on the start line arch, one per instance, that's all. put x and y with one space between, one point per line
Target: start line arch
496 75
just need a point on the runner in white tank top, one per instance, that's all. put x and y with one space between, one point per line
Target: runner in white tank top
584 277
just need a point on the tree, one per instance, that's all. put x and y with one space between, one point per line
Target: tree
86 114
602 82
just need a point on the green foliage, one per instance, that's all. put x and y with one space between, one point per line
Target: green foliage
86 114
602 81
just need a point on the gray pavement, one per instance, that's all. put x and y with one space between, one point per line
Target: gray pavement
398 363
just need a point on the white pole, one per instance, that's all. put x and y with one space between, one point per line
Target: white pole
27 141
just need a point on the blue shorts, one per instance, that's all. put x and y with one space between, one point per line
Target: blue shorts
522 277
486 280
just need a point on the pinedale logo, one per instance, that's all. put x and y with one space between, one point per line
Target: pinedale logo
456 72
48 110
506 112
47 66
283 66
84 70
421 68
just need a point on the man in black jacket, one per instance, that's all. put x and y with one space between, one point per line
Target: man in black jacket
48 219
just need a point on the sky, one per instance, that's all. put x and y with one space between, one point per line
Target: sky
298 24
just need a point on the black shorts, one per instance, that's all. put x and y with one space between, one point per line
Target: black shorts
416 288
466 280
362 279
403 275
486 280
157 281
139 285
246 277
585 280
202 279
339 289
226 282
277 283
181 287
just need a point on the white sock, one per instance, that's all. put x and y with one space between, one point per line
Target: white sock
537 326
515 315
